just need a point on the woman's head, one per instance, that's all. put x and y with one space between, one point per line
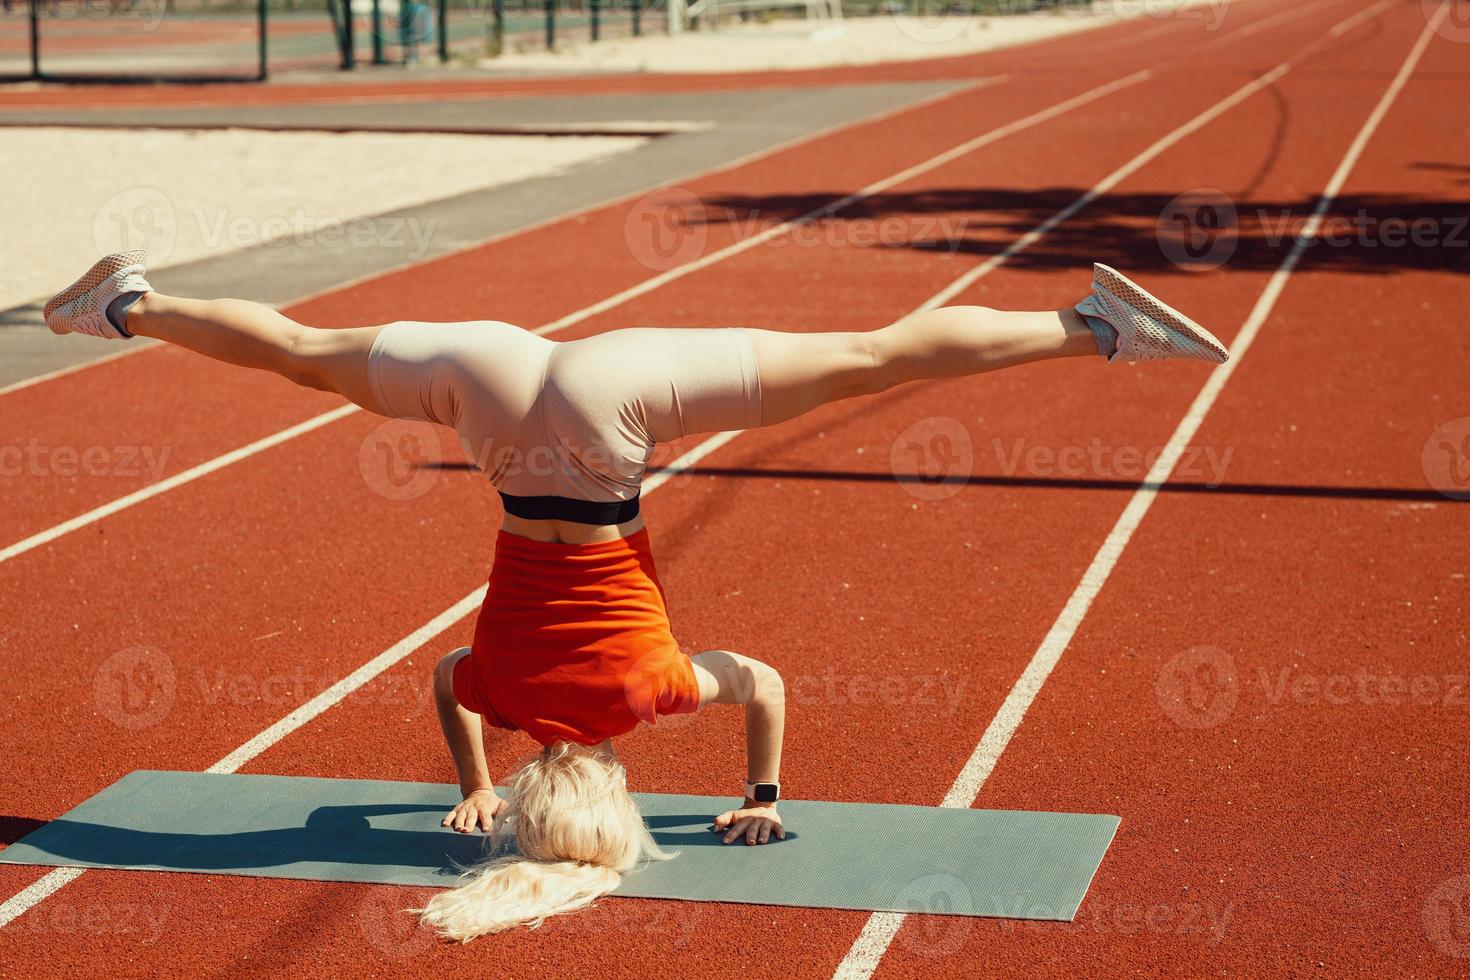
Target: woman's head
577 831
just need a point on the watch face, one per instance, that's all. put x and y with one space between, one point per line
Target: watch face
766 792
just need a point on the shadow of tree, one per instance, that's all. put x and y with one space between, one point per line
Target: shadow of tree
1374 234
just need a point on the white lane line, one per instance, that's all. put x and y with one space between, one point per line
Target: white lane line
876 935
1342 28
867 950
646 286
177 480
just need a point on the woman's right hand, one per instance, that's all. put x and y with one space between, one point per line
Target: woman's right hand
475 812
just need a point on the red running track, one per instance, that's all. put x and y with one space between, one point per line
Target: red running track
955 592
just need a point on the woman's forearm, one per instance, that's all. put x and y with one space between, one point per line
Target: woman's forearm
466 746
765 724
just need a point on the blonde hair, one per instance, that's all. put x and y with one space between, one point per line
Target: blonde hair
578 832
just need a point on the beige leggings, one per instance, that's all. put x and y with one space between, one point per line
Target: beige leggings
574 420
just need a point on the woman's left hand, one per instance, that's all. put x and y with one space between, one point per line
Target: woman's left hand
755 822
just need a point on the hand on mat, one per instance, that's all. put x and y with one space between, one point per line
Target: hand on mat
475 812
756 823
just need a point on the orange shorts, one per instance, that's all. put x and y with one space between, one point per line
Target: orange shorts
573 642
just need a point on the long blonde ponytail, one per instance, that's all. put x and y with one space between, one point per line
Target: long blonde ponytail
578 832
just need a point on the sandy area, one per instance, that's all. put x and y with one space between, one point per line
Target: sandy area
801 43
189 194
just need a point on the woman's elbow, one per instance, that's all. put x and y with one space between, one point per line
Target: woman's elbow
444 675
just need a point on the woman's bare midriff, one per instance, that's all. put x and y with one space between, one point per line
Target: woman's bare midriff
569 532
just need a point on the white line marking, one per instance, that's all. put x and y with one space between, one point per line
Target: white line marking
37 892
867 950
877 934
646 286
178 479
1361 16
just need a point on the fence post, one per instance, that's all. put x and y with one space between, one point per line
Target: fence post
637 18
378 58
443 30
263 16
550 25
596 11
349 41
35 18
497 30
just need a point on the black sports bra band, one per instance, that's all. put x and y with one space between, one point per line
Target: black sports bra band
568 509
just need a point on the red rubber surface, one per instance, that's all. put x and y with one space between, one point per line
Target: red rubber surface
1312 833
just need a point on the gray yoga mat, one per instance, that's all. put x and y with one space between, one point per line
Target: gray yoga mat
876 857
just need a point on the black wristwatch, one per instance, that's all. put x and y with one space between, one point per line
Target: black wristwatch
763 792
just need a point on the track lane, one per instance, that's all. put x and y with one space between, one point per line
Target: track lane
1287 757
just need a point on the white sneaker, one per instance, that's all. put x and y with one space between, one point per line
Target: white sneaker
82 306
1148 330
